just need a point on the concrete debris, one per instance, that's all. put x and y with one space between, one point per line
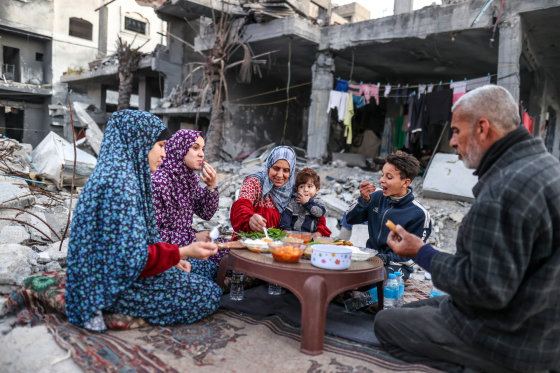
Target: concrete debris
448 178
15 194
14 267
13 234
93 132
54 159
350 159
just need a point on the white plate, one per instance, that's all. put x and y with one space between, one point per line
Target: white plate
257 246
359 254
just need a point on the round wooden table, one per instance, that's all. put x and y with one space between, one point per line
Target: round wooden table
314 287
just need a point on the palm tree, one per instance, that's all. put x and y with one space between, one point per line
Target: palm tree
128 59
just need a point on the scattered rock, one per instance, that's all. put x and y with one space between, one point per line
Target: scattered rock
14 267
13 234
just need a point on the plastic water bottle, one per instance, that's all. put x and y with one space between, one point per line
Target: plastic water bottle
236 290
400 281
362 300
275 289
391 292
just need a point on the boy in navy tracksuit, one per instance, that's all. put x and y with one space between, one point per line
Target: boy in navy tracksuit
304 210
395 202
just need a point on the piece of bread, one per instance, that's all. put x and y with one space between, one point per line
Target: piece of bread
391 226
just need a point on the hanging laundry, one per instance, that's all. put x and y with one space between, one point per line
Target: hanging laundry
387 90
354 89
404 93
421 89
338 100
438 113
527 122
341 85
459 89
359 101
416 115
369 90
430 88
348 120
400 134
397 94
386 139
477 82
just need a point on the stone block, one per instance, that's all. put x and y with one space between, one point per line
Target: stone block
332 224
56 254
14 267
12 195
13 234
448 178
335 207
350 159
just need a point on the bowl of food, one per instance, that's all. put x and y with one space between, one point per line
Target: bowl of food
305 236
257 245
286 251
331 256
325 240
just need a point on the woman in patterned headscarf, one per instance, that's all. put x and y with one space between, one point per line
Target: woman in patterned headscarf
116 262
178 194
265 194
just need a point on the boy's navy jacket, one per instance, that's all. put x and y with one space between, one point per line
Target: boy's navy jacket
406 211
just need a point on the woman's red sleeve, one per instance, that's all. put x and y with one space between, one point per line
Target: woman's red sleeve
161 257
244 208
322 227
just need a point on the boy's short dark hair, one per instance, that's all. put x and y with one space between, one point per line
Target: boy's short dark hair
306 174
407 164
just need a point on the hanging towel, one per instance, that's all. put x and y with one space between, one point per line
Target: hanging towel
387 139
387 90
341 85
338 100
459 89
369 90
354 89
527 122
478 82
400 134
348 120
359 101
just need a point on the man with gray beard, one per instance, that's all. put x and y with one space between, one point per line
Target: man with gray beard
502 311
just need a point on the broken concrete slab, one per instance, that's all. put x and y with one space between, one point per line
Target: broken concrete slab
332 224
335 207
448 178
93 132
15 194
14 267
350 159
13 234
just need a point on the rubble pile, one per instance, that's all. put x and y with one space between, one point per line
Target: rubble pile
34 214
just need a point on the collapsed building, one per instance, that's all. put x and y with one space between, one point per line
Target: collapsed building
301 51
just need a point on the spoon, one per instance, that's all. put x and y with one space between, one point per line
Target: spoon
266 234
214 233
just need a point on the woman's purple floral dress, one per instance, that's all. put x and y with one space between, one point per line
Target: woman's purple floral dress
178 193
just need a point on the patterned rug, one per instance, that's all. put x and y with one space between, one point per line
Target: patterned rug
225 341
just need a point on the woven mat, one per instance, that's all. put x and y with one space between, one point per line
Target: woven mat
225 341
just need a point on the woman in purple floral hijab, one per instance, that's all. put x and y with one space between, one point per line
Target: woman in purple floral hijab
177 191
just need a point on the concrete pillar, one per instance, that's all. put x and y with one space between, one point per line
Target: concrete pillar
98 95
144 94
402 6
318 124
103 25
509 53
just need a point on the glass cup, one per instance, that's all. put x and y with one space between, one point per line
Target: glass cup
236 290
275 289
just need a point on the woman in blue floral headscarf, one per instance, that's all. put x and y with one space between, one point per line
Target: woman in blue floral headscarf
265 194
116 262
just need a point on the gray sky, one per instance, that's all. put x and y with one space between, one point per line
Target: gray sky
383 8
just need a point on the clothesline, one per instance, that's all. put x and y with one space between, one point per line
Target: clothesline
409 86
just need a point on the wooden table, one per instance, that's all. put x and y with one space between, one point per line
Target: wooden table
314 287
